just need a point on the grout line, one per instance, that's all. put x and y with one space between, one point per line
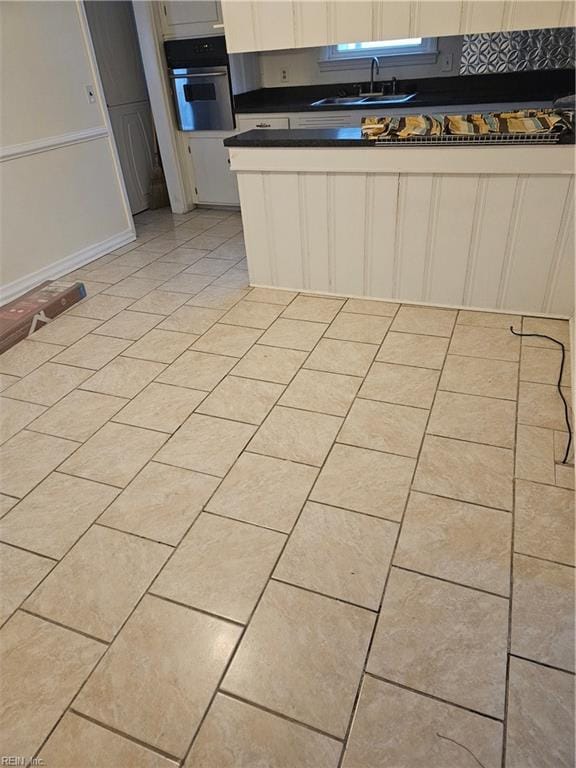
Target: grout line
542 663
194 608
63 626
499 595
311 591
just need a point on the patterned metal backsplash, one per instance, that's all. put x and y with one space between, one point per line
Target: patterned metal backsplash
485 53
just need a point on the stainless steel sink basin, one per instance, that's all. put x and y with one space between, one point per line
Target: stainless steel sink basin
376 98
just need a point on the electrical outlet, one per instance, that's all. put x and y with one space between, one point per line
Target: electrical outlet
284 75
90 93
446 62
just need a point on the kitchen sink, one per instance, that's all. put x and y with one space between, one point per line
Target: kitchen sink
376 98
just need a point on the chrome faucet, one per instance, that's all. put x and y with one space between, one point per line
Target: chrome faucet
373 64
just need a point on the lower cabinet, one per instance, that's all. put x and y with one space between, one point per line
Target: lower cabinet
214 181
134 135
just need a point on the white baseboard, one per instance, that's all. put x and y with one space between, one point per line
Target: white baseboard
16 288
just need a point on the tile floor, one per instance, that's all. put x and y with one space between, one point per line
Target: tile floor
245 528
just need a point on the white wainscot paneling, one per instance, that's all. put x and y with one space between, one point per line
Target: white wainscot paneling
486 241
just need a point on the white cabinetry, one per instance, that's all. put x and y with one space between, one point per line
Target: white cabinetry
191 18
214 181
263 25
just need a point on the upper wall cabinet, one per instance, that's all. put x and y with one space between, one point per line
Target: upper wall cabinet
265 25
191 18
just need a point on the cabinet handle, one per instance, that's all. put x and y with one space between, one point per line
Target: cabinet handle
262 125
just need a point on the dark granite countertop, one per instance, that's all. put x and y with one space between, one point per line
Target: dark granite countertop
516 87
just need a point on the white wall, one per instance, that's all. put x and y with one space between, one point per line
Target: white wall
63 200
302 65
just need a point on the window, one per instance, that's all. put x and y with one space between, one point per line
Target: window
409 50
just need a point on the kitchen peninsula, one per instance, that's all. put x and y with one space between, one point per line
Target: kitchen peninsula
484 227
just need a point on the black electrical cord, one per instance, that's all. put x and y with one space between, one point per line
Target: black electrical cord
566 411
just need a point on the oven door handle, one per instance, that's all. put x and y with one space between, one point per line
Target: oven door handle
200 74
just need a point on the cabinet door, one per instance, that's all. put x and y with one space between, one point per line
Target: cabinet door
238 18
191 18
350 22
482 16
534 14
391 20
134 135
436 17
215 183
311 22
274 24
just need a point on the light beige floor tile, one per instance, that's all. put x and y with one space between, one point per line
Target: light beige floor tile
391 428
481 474
413 349
6 381
425 320
47 384
296 435
190 284
240 399
478 376
20 573
544 522
558 329
565 476
133 288
24 357
27 458
478 419
270 363
217 298
541 406
197 370
370 329
348 357
253 314
560 443
543 365
320 391
160 270
265 491
92 352
235 734
400 384
161 503
55 514
15 415
160 302
458 542
139 257
221 567
160 346
65 330
164 700
123 377
271 296
100 307
212 266
206 242
396 727
231 340
313 308
42 668
540 731
78 415
191 320
93 287
114 454
371 307
293 334
543 612
339 553
206 444
419 644
535 454
96 586
160 406
6 504
489 319
365 481
108 273
129 325
492 343
77 741
315 683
